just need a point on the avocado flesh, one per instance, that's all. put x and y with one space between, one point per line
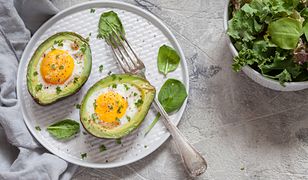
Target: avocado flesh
147 93
44 98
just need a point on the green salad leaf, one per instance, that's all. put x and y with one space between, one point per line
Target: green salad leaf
64 129
285 32
305 30
171 96
271 36
110 23
167 60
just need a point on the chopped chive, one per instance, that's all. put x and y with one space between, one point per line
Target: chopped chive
92 10
109 73
128 118
61 67
135 94
35 73
78 106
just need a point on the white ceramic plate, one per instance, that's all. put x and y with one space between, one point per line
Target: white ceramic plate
146 34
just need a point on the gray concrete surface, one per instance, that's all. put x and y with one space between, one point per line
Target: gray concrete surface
245 131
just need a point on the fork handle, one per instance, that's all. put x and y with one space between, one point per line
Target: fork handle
193 161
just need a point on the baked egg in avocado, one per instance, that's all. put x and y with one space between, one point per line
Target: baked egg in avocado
59 67
116 105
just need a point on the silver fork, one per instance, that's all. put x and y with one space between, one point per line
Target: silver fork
193 161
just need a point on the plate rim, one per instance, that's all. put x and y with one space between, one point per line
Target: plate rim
111 4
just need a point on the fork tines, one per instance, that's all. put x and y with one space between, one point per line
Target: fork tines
125 54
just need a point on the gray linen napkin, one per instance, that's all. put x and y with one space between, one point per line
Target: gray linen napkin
32 161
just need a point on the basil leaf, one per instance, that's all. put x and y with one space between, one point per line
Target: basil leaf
167 59
109 23
172 95
285 32
64 129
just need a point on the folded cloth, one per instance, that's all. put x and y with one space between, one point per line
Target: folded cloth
17 20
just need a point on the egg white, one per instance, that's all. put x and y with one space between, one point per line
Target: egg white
127 94
77 71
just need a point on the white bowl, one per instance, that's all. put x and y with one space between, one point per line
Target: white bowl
256 76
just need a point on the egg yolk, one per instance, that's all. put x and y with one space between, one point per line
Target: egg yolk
110 107
57 66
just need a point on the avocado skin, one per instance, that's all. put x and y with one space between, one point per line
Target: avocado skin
37 53
142 84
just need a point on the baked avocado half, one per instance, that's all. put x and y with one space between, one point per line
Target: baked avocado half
59 67
116 105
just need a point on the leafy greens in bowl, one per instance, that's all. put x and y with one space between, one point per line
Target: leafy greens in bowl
269 39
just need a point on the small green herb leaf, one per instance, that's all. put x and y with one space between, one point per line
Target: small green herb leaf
78 106
38 128
58 42
35 73
102 148
83 155
58 90
92 10
75 80
128 118
64 129
139 102
118 141
167 60
53 66
101 68
94 104
83 48
38 87
126 87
